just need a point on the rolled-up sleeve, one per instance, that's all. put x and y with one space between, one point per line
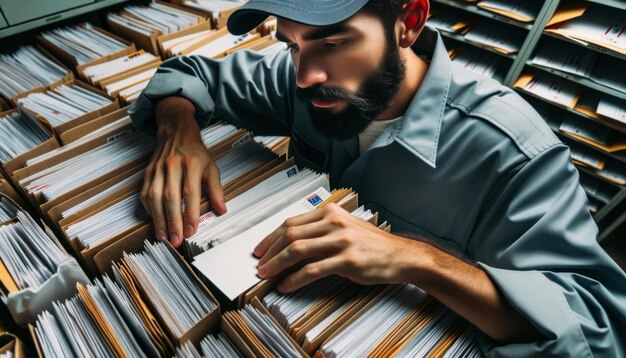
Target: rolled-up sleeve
246 89
537 242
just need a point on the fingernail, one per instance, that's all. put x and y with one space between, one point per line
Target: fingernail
257 250
161 235
188 230
281 287
262 261
174 240
262 271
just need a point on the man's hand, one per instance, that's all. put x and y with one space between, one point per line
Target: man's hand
339 243
179 166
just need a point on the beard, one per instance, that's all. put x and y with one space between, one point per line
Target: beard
363 106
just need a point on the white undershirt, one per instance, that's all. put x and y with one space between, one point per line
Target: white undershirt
373 131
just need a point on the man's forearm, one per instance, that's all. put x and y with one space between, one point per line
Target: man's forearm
470 292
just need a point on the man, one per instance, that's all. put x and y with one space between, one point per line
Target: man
487 213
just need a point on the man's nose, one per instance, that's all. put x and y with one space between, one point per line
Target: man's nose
309 73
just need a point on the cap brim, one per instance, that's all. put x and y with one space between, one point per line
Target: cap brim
310 12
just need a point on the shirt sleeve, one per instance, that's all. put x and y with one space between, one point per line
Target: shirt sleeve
537 242
246 89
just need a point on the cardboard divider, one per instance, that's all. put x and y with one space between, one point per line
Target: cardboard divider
82 130
71 61
203 26
12 343
64 127
20 161
122 76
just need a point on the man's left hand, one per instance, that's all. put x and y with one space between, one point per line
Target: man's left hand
336 242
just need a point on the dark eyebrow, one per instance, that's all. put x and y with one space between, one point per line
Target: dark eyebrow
319 33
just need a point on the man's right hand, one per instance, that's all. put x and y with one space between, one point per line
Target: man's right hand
178 168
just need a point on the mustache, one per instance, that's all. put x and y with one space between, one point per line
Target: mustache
323 93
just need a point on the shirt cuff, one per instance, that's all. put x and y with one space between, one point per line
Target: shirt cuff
171 84
541 302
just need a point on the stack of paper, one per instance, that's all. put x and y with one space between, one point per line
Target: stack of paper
105 71
111 308
155 18
83 42
613 108
554 89
404 322
608 72
313 313
565 57
29 255
520 10
450 21
221 42
614 172
212 346
68 331
215 7
594 188
496 36
114 220
8 210
79 170
178 45
124 122
25 69
104 194
594 134
63 104
254 206
477 61
587 158
260 334
18 134
174 293
599 25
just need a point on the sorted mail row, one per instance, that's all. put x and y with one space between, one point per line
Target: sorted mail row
18 134
64 103
149 305
28 68
82 43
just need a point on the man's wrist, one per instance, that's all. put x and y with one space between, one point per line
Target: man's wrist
416 262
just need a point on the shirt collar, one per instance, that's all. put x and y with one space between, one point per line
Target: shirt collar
418 130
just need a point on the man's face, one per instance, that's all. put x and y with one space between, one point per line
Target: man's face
347 73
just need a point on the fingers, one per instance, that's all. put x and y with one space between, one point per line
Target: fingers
261 249
291 235
191 195
152 194
297 252
211 177
310 273
172 199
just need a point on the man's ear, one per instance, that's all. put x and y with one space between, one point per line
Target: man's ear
414 18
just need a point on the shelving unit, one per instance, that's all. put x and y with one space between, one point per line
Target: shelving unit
516 64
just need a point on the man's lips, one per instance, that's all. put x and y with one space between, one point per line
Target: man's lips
324 103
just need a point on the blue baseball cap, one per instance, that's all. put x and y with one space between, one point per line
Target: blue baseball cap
308 12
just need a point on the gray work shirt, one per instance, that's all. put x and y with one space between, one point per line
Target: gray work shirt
471 166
